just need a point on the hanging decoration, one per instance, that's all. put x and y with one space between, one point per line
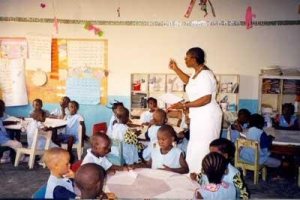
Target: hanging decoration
97 31
203 5
42 5
190 8
248 17
118 11
55 21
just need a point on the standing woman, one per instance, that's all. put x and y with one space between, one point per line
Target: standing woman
205 113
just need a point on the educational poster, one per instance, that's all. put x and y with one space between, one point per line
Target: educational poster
11 48
85 53
39 53
12 82
174 84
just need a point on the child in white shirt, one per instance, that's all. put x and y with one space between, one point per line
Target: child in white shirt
113 118
37 104
63 110
147 116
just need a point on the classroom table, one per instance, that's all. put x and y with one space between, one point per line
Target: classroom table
150 183
49 122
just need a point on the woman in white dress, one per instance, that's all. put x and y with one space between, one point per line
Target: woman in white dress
205 113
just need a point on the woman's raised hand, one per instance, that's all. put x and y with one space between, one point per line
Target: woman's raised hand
172 64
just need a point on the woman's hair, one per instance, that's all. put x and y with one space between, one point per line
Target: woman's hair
214 166
169 130
256 120
224 146
198 54
76 104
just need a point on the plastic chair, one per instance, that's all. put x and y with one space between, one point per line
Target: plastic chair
33 151
40 193
100 127
256 167
79 145
116 155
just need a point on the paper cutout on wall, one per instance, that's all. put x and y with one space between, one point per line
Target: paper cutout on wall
84 90
12 82
249 17
13 48
39 53
85 53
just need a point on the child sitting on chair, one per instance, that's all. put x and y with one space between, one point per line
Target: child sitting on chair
226 148
287 121
147 116
130 151
63 110
113 118
214 166
74 119
256 132
101 145
159 119
59 186
240 124
164 155
37 104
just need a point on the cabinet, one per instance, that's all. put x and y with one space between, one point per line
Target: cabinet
154 85
274 91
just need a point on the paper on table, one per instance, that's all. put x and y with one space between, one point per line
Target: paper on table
170 98
123 178
176 194
12 119
159 174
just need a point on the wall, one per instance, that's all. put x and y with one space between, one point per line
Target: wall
147 49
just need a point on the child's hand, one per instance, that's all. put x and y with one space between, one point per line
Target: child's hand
193 176
70 174
166 168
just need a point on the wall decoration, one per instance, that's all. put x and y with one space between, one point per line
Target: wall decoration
190 9
203 5
248 17
97 31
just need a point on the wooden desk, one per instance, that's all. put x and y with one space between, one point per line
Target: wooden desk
50 122
150 183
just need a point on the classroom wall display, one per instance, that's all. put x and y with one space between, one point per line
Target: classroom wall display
73 67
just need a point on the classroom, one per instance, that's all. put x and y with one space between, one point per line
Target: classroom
102 52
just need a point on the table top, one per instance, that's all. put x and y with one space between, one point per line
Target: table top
151 183
50 122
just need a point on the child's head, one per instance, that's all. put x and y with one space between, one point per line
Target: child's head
288 109
64 102
90 179
256 120
243 116
57 160
152 103
159 117
2 107
224 147
166 136
37 104
73 107
214 166
39 115
122 114
101 144
116 105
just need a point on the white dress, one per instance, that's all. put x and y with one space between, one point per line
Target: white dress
205 124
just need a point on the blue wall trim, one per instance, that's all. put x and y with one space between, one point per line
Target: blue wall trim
250 104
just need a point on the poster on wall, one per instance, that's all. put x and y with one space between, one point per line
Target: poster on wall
12 82
11 48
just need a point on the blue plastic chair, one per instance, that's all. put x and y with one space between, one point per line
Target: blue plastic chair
40 193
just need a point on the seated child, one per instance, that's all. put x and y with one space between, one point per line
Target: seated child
59 186
287 121
74 119
113 118
159 119
166 156
256 132
89 179
63 110
240 124
101 145
233 176
214 166
37 104
147 116
130 151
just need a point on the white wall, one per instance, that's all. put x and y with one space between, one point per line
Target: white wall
133 49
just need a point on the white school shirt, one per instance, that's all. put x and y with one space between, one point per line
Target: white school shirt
110 125
146 117
58 113
53 182
91 158
152 133
220 191
31 130
171 159
73 122
118 131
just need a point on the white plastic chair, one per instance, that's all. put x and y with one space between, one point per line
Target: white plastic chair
33 151
78 145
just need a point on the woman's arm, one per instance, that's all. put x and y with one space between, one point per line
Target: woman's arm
202 101
183 76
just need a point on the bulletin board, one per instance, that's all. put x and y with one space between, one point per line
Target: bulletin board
74 67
